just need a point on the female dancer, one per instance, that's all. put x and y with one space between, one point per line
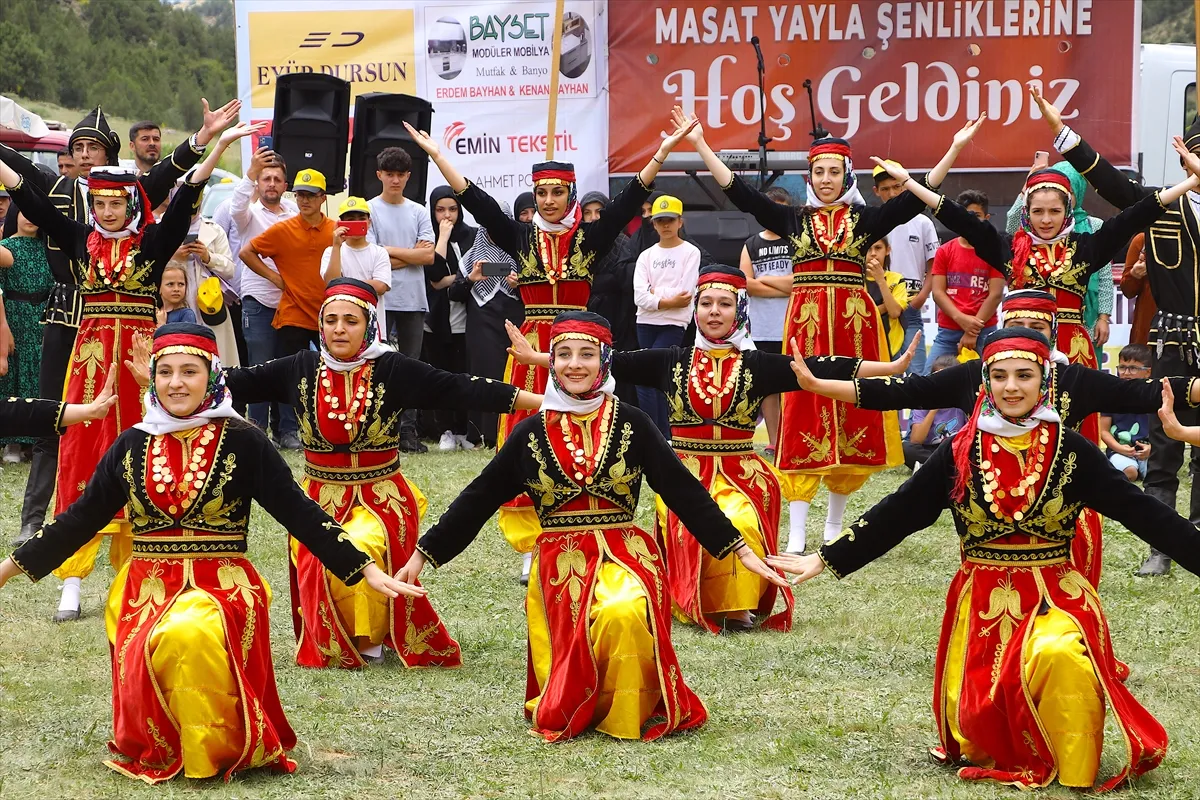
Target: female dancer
188 615
1025 663
348 399
598 605
1048 253
124 252
555 254
714 391
830 313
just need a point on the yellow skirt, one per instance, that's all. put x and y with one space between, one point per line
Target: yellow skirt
83 561
725 584
1062 685
190 660
621 642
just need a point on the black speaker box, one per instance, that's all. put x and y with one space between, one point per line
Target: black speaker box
379 120
312 125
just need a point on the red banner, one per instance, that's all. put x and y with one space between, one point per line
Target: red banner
897 78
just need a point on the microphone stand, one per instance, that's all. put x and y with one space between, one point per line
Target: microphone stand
762 116
818 130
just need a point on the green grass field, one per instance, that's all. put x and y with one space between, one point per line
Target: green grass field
839 707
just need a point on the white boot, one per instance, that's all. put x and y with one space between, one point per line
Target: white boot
463 444
68 604
833 519
799 521
447 442
526 565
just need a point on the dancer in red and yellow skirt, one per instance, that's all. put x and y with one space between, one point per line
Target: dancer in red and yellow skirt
830 314
598 605
120 258
714 391
555 255
1025 663
348 400
188 615
1047 253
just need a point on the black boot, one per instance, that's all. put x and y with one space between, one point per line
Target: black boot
1157 563
39 488
27 533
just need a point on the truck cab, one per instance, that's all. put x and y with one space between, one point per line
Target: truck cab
1167 104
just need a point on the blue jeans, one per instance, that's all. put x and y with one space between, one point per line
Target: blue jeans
260 347
910 318
651 400
947 339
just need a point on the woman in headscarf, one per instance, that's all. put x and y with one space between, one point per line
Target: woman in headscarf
1025 663
598 605
830 314
557 255
119 259
1047 253
445 345
188 615
348 399
714 389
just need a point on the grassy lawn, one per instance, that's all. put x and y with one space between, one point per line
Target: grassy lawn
840 707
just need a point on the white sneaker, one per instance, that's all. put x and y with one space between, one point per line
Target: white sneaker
447 442
12 454
463 444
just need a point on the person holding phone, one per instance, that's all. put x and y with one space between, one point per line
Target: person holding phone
1127 436
351 255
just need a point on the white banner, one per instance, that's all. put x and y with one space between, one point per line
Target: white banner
485 67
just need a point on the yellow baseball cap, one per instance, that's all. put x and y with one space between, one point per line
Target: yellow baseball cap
354 204
879 170
308 180
667 206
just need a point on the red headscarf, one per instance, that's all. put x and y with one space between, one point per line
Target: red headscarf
1022 243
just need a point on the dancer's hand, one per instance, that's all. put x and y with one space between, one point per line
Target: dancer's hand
8 569
138 363
388 586
1190 160
218 120
1053 115
693 130
804 377
803 567
683 130
892 168
900 365
967 132
752 562
410 573
98 408
1171 425
423 140
521 350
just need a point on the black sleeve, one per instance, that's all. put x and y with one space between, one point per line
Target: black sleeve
460 290
1116 231
600 235
162 176
504 232
954 387
37 208
773 371
1098 391
913 507
31 417
162 240
1105 489
106 493
680 490
650 367
422 386
990 244
500 481
773 216
26 168
1116 189
439 269
879 220
281 497
272 382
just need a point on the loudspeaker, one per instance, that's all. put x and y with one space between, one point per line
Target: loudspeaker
379 120
312 125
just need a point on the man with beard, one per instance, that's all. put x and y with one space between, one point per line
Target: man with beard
92 143
145 140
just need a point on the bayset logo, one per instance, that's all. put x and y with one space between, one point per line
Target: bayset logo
319 38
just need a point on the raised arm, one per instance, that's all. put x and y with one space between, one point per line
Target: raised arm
990 245
24 168
31 201
162 176
1117 189
955 387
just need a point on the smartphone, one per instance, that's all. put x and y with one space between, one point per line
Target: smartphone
355 227
495 269
190 238
266 141
1041 159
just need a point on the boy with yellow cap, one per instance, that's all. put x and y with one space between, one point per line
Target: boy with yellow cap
351 255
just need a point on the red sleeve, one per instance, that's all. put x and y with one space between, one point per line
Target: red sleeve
941 259
266 244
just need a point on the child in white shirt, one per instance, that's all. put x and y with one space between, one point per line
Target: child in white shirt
353 256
